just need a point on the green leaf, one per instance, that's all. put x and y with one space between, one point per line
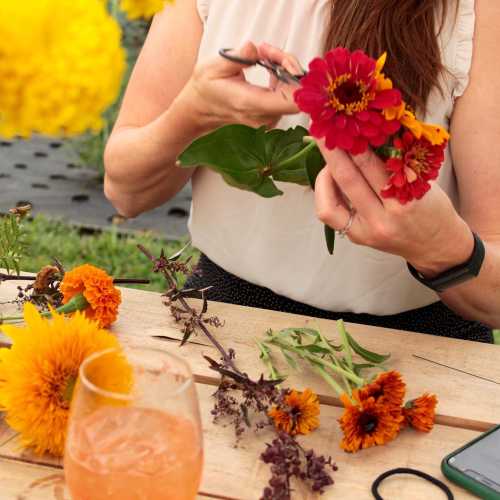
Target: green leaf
330 239
251 159
369 356
314 164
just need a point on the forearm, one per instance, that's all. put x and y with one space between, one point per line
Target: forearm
140 161
479 299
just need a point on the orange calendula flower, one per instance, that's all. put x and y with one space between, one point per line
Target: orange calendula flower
388 388
420 413
366 423
97 288
298 414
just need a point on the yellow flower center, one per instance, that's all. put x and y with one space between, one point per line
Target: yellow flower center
347 95
416 158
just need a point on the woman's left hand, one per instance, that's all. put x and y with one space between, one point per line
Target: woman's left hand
428 233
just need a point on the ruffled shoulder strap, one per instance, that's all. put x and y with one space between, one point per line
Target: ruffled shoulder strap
463 38
203 7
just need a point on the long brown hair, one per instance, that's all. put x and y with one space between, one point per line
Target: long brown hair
406 29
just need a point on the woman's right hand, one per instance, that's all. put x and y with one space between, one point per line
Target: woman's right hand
218 94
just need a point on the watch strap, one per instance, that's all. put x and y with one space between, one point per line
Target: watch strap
456 275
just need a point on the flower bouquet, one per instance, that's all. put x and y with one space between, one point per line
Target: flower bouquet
353 106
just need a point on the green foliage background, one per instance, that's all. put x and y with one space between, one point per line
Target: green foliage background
115 253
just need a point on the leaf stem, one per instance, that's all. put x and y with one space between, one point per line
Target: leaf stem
303 152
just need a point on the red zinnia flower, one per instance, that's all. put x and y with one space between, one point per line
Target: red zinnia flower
345 95
419 163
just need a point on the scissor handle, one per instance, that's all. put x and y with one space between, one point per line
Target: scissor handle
281 73
241 60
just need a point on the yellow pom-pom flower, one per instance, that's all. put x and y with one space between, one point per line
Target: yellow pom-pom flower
61 66
135 9
39 371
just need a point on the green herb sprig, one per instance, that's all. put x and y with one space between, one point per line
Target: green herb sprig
334 363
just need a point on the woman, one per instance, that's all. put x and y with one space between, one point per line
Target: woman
271 253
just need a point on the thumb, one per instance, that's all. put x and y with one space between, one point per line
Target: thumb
247 52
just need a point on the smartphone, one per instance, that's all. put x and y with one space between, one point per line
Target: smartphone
476 466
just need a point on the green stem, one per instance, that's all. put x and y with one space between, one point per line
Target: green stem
328 379
77 303
305 355
344 380
265 356
303 152
345 343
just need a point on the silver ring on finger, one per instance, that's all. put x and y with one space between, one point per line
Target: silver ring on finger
345 230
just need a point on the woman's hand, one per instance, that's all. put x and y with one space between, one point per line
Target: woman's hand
428 233
218 94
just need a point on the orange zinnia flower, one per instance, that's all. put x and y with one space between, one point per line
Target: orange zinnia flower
97 288
388 388
298 414
367 423
420 412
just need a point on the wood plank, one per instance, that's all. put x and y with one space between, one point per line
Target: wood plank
236 472
27 481
464 400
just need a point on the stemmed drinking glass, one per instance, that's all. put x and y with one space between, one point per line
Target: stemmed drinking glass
134 430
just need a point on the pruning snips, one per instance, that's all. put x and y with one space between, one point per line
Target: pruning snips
277 70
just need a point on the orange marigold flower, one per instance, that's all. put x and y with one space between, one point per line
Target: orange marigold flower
368 423
421 412
298 414
97 288
388 388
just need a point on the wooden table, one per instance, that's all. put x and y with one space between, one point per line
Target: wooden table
467 405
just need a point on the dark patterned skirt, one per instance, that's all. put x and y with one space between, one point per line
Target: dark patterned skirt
435 319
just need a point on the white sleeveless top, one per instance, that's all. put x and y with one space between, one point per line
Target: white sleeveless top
279 243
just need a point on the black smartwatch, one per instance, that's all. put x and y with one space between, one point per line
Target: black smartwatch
456 275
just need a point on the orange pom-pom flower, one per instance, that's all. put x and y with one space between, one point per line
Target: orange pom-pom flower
93 286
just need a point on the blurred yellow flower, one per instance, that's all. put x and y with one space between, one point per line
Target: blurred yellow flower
38 374
61 66
136 9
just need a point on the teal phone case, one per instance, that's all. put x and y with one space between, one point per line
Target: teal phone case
466 482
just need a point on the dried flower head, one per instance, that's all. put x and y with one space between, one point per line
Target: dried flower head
289 460
97 288
39 371
44 278
297 413
420 413
366 423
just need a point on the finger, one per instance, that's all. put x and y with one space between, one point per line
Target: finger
265 101
278 56
373 170
226 68
331 208
352 182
